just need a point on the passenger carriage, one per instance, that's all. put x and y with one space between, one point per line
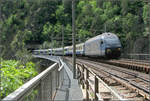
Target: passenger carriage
58 51
70 50
80 49
66 50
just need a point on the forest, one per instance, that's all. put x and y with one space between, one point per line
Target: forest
25 22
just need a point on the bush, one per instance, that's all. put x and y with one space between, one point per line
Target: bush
13 75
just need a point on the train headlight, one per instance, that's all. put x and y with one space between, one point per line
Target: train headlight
108 50
119 49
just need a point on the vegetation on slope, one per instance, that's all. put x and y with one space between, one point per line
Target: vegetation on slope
26 22
13 75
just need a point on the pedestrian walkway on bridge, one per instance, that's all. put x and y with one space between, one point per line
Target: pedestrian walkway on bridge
70 89
54 83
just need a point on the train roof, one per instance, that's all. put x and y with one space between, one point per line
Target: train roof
76 45
41 50
57 48
80 44
109 35
66 47
102 36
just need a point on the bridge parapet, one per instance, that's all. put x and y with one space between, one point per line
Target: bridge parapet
42 87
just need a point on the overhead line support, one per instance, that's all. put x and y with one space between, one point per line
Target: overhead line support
74 39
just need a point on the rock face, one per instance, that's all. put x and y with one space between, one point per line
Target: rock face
140 48
141 45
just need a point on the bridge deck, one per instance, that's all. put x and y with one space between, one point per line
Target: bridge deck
70 89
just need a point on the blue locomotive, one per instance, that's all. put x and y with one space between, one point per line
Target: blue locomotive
104 45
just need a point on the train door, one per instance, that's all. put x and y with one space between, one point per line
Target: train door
102 47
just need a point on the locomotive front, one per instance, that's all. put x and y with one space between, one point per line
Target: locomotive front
112 45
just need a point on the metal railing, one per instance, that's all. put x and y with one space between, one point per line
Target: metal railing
137 56
83 75
43 87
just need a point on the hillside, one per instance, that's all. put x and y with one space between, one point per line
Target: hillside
23 22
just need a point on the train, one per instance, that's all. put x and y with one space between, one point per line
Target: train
104 45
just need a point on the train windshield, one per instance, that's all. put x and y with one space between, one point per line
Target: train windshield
112 41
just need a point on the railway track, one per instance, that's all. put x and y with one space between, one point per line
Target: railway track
136 65
141 61
128 84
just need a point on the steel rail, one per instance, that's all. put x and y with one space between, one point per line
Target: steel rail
101 81
113 74
120 70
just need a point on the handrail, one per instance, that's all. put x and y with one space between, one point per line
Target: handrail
117 95
85 77
139 54
61 67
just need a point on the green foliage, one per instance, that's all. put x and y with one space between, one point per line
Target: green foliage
84 34
13 75
61 16
146 17
124 7
46 45
47 31
130 26
146 13
123 18
24 22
